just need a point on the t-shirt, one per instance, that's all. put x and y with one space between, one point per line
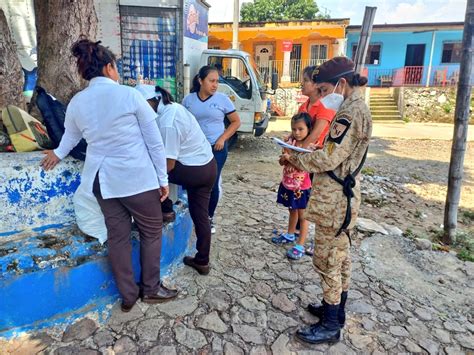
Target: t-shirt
318 112
183 138
210 113
294 179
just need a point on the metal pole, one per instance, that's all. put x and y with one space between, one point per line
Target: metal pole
364 40
461 119
431 59
235 26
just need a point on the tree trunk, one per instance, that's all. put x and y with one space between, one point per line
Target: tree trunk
59 23
11 75
461 120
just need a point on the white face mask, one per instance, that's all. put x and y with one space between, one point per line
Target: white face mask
333 100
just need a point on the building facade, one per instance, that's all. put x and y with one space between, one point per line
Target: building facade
423 54
304 42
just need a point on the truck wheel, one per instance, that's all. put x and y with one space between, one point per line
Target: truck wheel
233 141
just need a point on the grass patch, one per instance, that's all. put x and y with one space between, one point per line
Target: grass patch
368 171
465 245
468 217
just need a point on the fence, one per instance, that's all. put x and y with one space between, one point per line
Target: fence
414 76
295 70
407 76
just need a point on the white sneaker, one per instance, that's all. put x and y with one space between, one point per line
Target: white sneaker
213 226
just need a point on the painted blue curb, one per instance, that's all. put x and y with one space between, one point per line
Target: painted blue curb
46 286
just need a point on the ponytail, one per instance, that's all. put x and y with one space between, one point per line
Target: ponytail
358 80
202 74
166 97
92 57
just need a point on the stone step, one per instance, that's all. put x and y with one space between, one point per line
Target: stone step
383 107
386 117
384 112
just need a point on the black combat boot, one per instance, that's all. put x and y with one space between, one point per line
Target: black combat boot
318 310
326 331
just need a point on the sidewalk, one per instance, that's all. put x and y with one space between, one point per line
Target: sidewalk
412 130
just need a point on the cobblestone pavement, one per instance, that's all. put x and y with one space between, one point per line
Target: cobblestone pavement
402 300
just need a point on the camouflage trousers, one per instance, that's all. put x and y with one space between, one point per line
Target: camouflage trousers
332 261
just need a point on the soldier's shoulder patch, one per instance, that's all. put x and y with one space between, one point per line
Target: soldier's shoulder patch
339 129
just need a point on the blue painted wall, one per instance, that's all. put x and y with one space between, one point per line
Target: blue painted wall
394 46
49 271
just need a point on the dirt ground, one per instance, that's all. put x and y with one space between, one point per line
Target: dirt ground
404 181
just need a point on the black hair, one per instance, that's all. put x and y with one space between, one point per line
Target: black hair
218 66
202 74
352 79
166 97
308 71
92 57
303 116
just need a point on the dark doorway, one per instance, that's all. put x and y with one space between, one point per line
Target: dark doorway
295 63
414 60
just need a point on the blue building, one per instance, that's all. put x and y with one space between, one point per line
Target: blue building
422 54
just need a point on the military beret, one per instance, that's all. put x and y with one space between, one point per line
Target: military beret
333 69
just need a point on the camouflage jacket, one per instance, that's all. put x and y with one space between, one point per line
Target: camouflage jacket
342 153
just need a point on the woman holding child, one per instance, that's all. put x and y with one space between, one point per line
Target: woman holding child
336 170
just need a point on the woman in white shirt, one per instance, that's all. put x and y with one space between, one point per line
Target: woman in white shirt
210 109
125 168
190 163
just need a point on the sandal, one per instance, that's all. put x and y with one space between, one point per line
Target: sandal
296 252
310 250
284 238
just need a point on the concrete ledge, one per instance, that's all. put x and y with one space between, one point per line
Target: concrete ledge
31 197
49 271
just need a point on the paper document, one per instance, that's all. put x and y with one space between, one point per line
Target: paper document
289 146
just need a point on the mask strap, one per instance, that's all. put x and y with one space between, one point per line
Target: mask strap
335 87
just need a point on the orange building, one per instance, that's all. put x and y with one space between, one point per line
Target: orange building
311 42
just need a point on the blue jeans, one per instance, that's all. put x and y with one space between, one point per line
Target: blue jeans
221 157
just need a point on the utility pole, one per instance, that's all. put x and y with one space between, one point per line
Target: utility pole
461 118
364 39
235 26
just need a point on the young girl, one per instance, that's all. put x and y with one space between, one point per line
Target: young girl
321 117
294 190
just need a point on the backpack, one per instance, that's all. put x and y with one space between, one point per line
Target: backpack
26 132
54 113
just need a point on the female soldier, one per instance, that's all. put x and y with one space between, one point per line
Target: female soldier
336 181
191 164
210 109
125 168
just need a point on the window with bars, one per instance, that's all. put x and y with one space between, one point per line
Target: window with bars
373 53
149 46
319 52
451 52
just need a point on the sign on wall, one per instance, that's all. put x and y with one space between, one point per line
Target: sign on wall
287 46
195 20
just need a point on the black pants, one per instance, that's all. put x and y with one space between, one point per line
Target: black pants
146 211
198 182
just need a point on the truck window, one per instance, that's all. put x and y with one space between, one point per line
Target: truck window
233 72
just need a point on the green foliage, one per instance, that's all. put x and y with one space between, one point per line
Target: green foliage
468 217
280 10
368 171
447 107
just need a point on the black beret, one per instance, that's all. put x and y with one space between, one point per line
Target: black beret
333 69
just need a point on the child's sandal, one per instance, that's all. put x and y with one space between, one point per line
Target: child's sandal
296 252
283 238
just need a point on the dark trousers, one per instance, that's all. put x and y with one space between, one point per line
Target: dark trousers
198 182
145 209
221 157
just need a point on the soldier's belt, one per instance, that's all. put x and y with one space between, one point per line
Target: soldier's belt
348 184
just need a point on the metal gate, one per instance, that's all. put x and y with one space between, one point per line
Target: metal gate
149 46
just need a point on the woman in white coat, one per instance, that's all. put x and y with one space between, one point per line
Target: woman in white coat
190 163
125 168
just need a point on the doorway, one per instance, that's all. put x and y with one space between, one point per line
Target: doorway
414 59
295 63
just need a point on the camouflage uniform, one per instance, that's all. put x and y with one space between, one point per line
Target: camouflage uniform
343 151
